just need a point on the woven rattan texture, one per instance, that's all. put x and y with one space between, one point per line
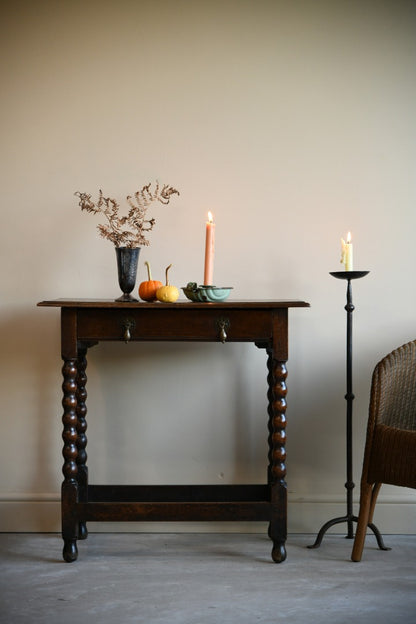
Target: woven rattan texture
395 388
391 441
393 457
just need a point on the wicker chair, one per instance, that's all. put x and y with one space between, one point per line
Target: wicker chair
390 449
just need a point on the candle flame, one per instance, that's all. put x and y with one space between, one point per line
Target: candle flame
210 217
349 237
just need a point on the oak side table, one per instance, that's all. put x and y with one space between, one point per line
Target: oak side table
86 322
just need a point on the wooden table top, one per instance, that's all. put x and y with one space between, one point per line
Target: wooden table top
185 304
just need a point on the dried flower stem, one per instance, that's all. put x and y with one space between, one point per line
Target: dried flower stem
128 230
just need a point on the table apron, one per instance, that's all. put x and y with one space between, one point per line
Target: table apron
180 325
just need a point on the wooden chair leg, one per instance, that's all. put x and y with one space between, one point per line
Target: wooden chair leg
363 520
374 494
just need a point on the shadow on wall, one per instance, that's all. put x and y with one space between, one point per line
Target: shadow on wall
158 412
184 412
178 411
317 439
31 401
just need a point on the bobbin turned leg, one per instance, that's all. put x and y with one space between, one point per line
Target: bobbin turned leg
277 456
69 491
82 474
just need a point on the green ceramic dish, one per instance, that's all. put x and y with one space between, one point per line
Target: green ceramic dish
206 293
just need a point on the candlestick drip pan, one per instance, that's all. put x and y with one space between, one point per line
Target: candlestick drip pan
209 294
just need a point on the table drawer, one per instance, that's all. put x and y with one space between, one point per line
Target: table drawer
171 324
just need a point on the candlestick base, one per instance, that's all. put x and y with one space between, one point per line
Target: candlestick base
208 294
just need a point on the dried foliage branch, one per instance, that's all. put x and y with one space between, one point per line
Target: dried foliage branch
128 230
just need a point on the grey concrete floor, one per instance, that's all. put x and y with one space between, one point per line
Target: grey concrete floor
205 578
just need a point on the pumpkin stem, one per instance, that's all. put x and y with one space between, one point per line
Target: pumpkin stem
149 274
167 269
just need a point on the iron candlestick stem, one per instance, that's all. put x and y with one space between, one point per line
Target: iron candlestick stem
349 518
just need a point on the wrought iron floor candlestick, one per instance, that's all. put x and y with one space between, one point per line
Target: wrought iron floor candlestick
349 518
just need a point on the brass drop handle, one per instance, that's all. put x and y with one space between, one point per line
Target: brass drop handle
223 325
127 325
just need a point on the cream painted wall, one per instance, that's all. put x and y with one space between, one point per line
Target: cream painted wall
294 122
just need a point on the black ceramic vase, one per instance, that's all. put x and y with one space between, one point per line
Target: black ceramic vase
127 260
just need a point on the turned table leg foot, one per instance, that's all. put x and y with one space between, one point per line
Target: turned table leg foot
278 552
82 531
70 550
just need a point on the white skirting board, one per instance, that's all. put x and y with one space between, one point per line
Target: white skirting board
41 514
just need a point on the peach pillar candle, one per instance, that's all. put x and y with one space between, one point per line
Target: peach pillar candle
209 251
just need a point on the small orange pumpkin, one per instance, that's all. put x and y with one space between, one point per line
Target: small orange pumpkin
147 289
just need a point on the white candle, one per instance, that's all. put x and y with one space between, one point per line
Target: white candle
209 251
346 253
